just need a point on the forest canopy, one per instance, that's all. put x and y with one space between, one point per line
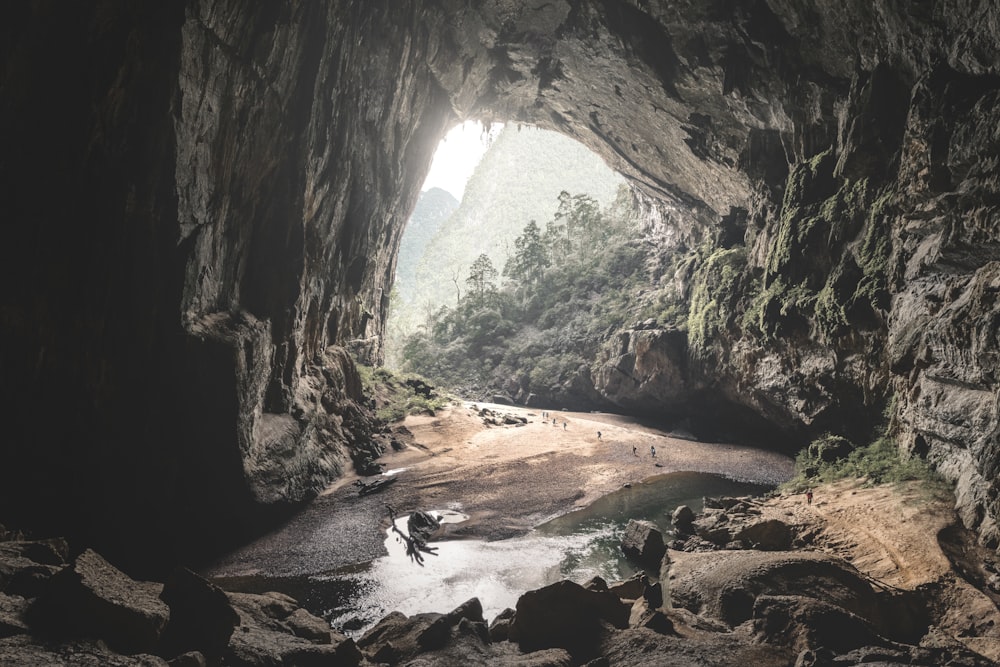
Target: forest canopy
536 325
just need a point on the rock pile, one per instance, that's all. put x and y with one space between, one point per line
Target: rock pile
715 606
55 609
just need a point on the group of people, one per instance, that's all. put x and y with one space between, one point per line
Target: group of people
555 422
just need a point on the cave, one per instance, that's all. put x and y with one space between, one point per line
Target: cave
203 202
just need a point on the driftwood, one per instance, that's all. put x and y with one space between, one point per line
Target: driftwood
414 544
373 487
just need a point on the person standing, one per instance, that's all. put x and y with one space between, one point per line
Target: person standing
809 497
652 451
598 435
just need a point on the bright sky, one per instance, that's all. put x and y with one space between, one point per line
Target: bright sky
457 156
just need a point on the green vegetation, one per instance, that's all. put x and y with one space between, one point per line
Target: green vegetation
398 395
518 180
566 290
714 294
827 261
831 457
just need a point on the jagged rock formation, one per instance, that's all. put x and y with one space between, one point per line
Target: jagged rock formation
204 201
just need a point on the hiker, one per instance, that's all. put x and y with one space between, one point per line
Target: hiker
652 451
564 426
598 435
809 497
635 452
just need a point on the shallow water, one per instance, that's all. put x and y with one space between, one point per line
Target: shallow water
577 546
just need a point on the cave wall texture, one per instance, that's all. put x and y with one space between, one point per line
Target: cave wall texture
203 202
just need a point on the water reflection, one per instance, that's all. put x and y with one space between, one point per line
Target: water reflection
576 546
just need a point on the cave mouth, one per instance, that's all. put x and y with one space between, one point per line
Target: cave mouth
469 310
233 183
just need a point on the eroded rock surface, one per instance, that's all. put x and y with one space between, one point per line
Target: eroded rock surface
204 202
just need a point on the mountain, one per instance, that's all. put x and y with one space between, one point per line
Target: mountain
518 180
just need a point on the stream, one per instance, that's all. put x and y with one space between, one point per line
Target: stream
578 545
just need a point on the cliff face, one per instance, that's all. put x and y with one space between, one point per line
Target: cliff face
204 202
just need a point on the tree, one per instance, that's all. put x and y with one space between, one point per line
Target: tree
584 223
530 257
482 278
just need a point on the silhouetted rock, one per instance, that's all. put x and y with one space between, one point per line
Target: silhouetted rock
92 598
201 616
769 535
632 588
437 633
500 625
683 520
266 635
12 611
565 615
642 542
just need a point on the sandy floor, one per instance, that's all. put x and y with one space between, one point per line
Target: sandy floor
507 478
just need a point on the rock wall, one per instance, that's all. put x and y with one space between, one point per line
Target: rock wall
204 202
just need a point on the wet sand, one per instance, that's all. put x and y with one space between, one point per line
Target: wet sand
508 479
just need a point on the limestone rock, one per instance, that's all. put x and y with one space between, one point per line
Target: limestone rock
399 630
632 588
804 623
768 535
833 216
724 584
266 637
437 633
305 625
12 611
24 651
565 615
683 520
92 598
643 543
201 616
645 615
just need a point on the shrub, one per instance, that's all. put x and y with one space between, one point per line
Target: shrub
832 457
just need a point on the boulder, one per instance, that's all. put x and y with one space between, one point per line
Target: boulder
630 589
399 631
643 543
12 610
725 584
189 659
645 615
92 598
305 625
201 616
468 647
437 633
266 636
683 520
500 626
25 651
768 535
565 615
805 623
26 566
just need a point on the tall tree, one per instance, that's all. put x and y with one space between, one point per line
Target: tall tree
530 258
482 278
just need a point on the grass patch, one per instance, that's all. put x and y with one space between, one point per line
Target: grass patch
831 458
397 395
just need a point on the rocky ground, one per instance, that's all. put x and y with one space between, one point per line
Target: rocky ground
878 576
